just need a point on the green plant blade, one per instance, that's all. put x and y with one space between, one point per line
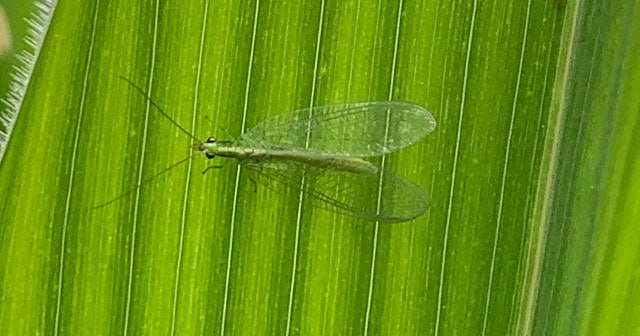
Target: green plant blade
531 171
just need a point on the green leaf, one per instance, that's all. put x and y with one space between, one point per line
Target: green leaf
532 170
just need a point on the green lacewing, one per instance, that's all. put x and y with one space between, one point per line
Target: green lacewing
321 151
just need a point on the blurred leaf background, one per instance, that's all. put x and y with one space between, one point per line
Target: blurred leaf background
533 169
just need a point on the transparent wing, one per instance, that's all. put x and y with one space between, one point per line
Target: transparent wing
353 130
352 193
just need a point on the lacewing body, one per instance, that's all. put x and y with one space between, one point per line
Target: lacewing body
322 150
325 147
